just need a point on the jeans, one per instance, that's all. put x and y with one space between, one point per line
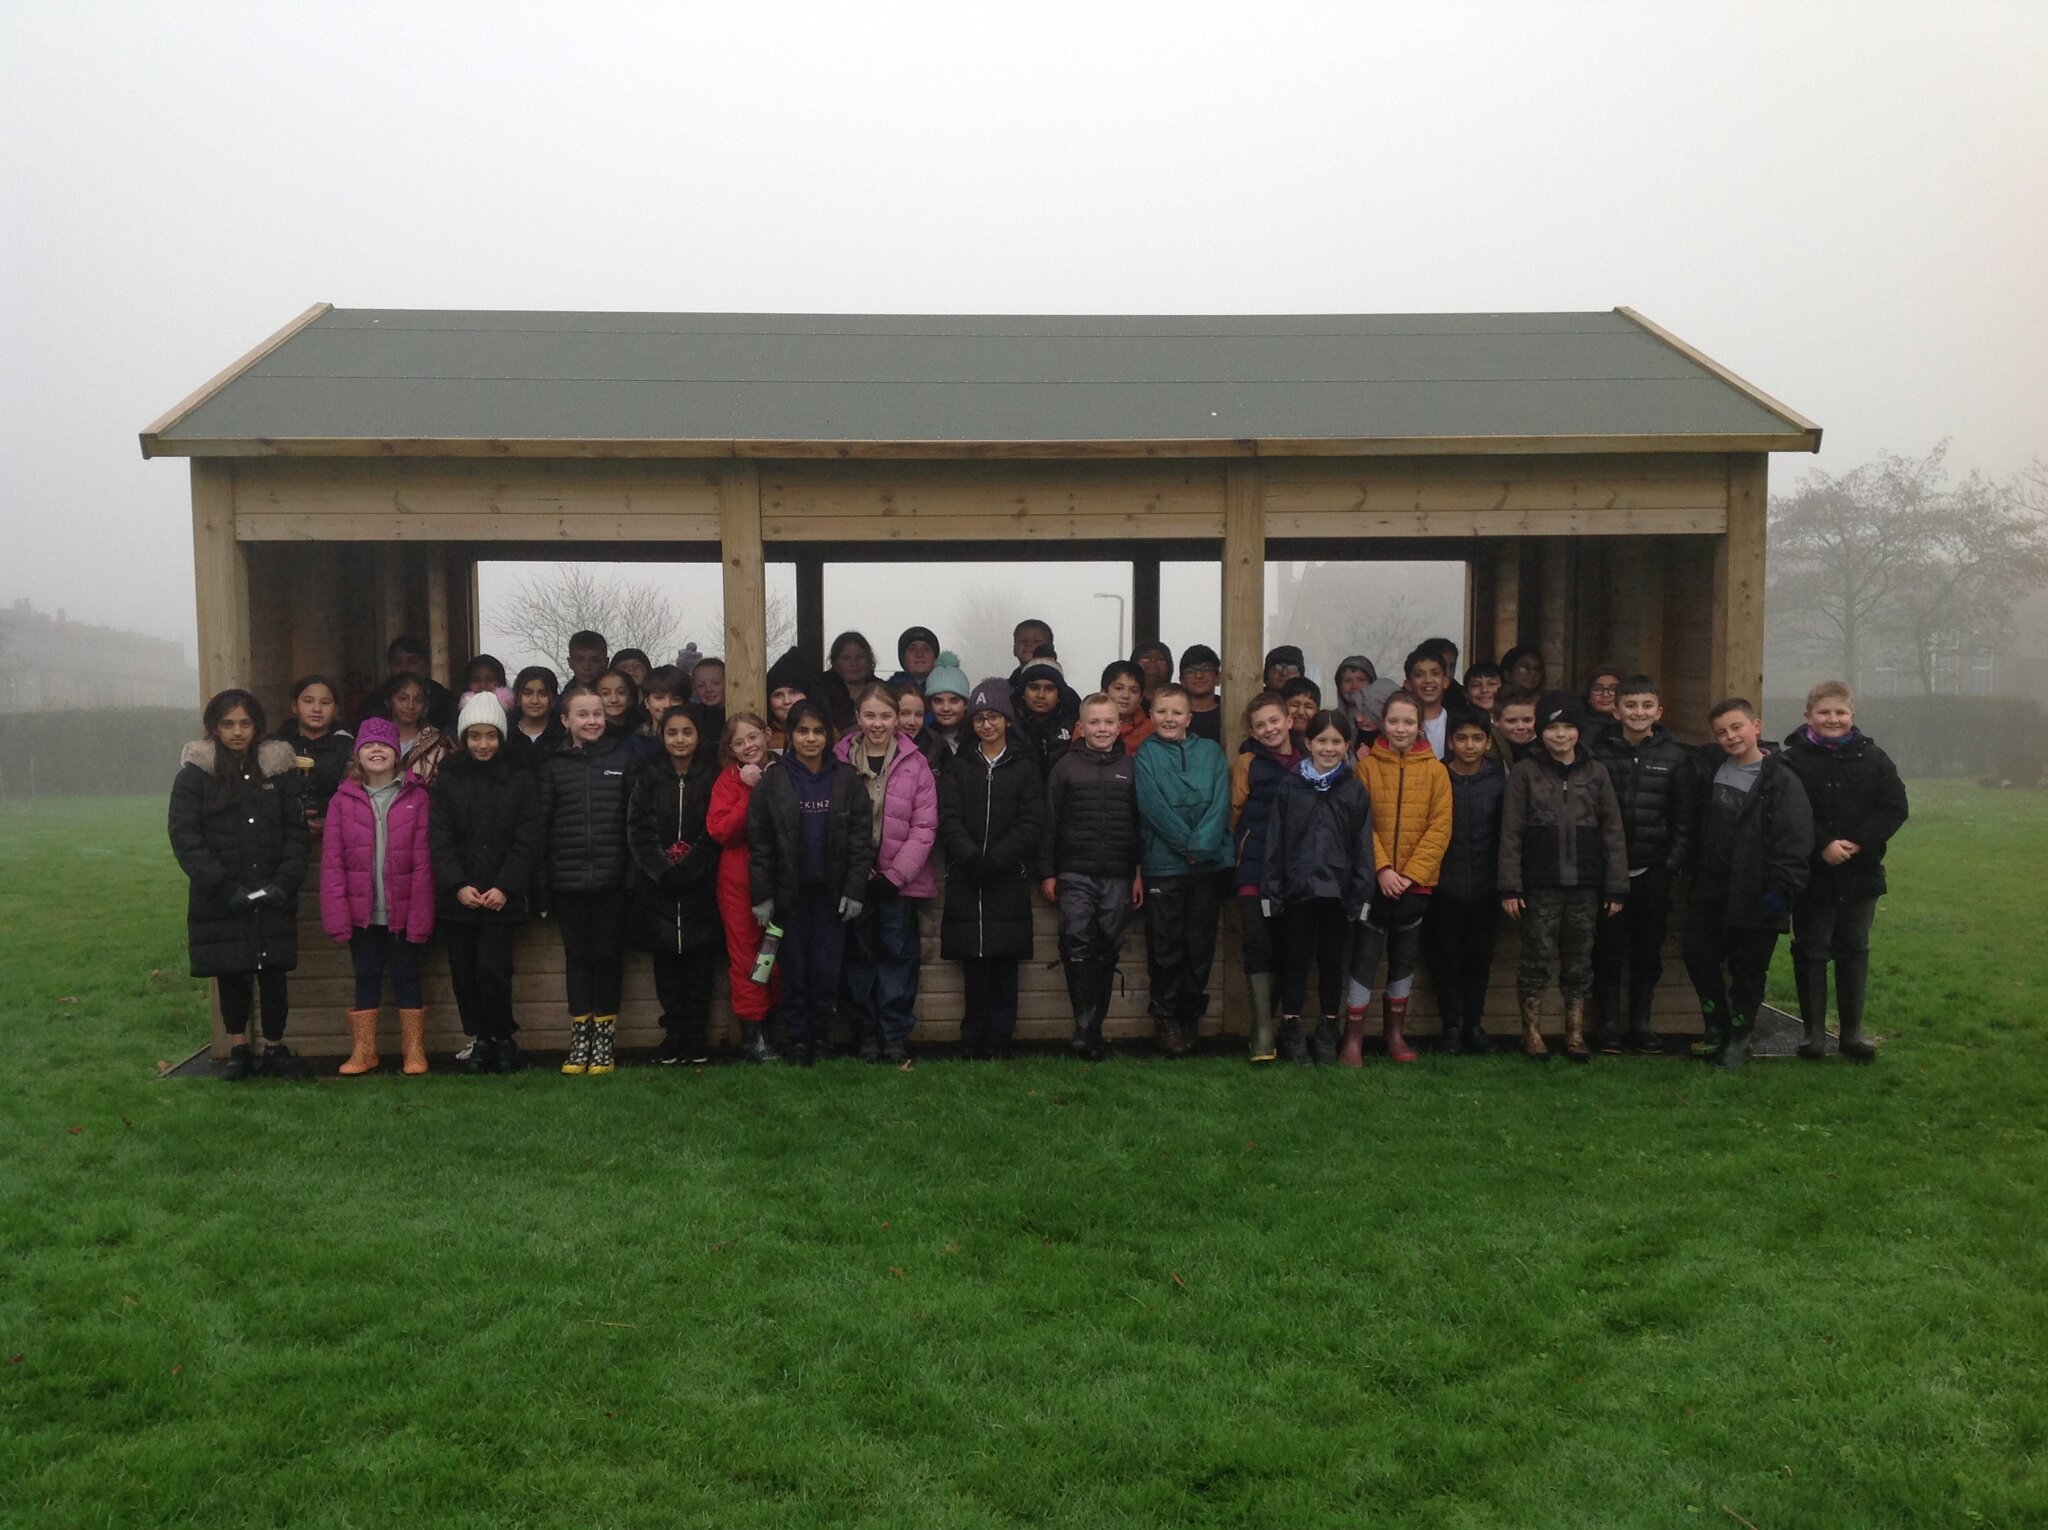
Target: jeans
1392 925
1180 944
1557 931
235 1000
375 951
1633 940
480 971
882 961
683 984
1315 934
1727 965
813 949
991 1010
1457 941
594 949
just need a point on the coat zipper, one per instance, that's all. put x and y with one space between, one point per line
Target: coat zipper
988 808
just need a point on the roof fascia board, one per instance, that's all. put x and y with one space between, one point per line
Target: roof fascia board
1742 385
152 443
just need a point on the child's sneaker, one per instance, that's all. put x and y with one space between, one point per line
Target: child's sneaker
672 1050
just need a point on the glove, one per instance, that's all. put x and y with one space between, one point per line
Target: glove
980 870
849 909
255 895
880 888
272 893
1776 903
237 896
763 914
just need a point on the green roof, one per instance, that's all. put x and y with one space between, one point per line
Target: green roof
702 383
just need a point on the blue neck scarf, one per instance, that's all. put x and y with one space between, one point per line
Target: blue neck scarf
1323 780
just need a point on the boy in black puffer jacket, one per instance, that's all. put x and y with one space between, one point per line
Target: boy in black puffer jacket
1088 863
485 830
1753 834
1858 804
1653 777
1464 910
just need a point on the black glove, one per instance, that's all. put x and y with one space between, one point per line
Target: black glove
273 893
237 895
880 889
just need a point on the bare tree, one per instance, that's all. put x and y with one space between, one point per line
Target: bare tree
978 629
1983 550
547 608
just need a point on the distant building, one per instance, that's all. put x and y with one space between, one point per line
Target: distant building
49 663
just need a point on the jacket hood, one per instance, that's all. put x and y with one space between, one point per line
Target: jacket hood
1381 749
1797 739
906 746
789 671
274 757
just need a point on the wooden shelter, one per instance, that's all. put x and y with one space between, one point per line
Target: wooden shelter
1603 482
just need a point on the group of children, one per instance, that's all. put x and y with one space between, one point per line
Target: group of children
1357 840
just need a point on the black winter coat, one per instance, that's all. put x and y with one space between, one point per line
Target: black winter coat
330 753
1654 782
991 818
1855 794
257 839
675 898
583 794
1471 867
1319 844
529 753
1772 844
1091 814
775 839
1045 738
1561 827
485 829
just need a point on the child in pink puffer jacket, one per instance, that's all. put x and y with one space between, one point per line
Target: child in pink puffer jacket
377 891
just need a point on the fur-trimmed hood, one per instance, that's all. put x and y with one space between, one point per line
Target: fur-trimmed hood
274 756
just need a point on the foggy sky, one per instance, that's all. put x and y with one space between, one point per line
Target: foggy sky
1844 203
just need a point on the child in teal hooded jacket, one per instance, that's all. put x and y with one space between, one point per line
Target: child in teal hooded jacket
1185 854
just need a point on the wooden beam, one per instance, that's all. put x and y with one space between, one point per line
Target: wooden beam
1737 667
220 580
746 587
1244 593
1741 385
152 447
810 610
1144 601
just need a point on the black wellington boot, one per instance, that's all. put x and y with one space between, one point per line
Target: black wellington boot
1852 979
1642 1035
1103 988
1608 1031
1811 979
1322 1046
754 1045
1080 994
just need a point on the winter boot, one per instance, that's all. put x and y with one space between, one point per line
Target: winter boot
1642 1035
1532 1029
1261 1048
1452 1040
1736 1051
505 1055
1810 978
1291 1043
241 1062
1173 1041
483 1055
1322 1046
754 1043
362 1035
1351 1054
579 1045
603 1056
1100 994
412 1038
1607 1032
1575 1048
1394 1024
1710 1046
1852 978
1080 995
280 1062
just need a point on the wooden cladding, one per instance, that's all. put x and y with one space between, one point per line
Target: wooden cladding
540 501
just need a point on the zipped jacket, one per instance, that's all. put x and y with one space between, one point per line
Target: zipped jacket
991 815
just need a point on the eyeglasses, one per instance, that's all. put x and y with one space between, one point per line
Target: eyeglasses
1199 669
1601 690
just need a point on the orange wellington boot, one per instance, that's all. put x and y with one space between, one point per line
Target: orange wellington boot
362 1035
412 1035
1394 1022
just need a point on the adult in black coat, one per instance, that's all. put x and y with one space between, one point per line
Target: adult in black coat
485 830
238 828
991 811
1858 804
675 885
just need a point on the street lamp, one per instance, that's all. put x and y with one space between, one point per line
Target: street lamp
1121 650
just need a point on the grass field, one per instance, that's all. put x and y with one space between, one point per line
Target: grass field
1473 1292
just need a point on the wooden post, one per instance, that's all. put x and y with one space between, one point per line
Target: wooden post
317 645
391 597
1554 607
1737 667
1144 601
1477 630
440 661
746 587
220 579
1507 596
1244 591
810 610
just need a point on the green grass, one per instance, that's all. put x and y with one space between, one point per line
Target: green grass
1474 1292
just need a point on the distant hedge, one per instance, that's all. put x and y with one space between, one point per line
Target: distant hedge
100 750
1984 737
